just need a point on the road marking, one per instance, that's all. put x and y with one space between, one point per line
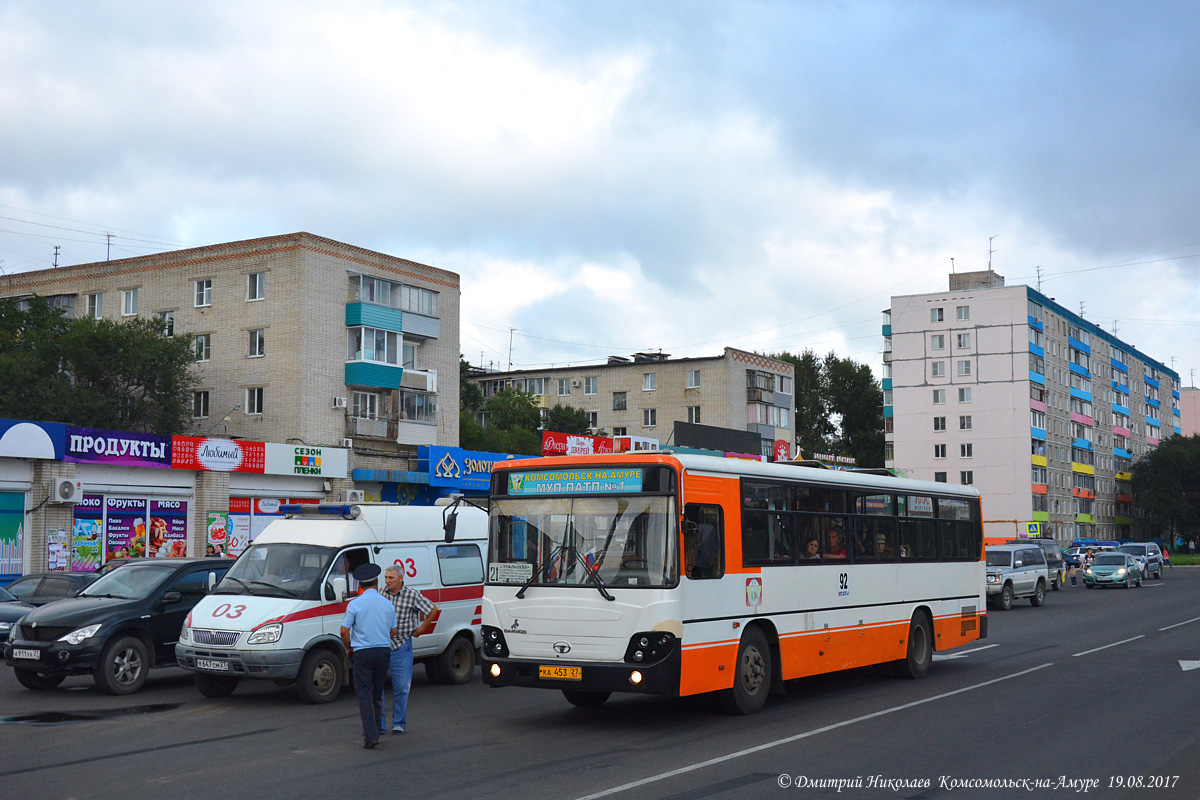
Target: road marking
949 656
1188 665
1105 647
1177 624
769 745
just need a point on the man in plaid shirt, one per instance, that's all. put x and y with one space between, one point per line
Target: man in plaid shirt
414 616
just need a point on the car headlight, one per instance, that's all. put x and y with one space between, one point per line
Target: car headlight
1089 570
993 578
267 634
5 627
77 636
1121 571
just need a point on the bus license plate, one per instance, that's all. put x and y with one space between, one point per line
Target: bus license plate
216 666
33 655
561 673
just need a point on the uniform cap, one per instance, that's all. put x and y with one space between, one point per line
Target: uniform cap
366 572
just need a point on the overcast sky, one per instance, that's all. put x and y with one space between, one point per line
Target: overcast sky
614 177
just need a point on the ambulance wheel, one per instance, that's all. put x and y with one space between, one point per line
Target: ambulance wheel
215 685
455 664
586 699
320 679
751 675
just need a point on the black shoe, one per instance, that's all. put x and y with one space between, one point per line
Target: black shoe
369 745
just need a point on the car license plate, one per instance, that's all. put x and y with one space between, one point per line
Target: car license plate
33 655
561 673
216 666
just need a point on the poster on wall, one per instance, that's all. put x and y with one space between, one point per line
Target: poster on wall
58 551
216 455
87 534
168 528
12 522
125 531
239 525
217 540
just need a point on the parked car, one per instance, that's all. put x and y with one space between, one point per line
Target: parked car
1016 570
1113 569
1054 558
46 587
116 629
1149 556
11 610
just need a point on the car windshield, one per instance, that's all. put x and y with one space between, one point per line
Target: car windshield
622 541
1110 560
278 569
6 596
999 558
132 581
1134 549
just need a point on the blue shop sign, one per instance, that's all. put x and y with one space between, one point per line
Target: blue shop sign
455 468
23 439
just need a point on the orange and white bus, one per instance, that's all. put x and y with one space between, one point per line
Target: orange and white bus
675 574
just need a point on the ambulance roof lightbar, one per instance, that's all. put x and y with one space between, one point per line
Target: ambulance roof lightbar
322 509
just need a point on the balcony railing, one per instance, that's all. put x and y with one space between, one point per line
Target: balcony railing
372 427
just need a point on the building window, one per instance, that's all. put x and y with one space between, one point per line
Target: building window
964 423
693 414
619 401
939 423
254 400
373 344
964 341
887 397
366 404
418 301
649 381
258 343
590 385
938 369
936 315
95 305
964 368
408 355
649 417
889 451
964 313
129 302
889 425
937 341
693 379
965 450
200 405
939 397
964 395
1037 418
204 293
167 318
939 451
256 286
564 387
593 419
966 477
203 346
620 432
939 477
422 406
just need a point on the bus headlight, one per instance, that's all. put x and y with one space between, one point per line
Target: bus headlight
650 647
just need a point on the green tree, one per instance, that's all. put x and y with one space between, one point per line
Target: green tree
568 419
857 400
1166 487
513 419
470 396
95 373
814 430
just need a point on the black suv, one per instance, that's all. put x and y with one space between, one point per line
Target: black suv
1054 558
116 629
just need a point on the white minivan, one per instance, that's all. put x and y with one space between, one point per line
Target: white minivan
277 613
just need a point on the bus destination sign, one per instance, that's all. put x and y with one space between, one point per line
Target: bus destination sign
575 481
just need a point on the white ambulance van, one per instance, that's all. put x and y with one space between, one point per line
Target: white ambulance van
277 613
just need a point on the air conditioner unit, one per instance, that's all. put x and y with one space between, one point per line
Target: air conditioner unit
347 443
339 402
575 384
67 490
355 496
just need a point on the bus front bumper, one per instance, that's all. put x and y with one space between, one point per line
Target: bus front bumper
661 678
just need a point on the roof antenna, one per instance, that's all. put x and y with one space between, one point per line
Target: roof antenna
990 251
951 265
1039 277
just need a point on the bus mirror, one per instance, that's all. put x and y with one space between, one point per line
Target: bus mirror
449 525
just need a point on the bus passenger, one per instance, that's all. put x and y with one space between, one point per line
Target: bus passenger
834 543
882 548
812 550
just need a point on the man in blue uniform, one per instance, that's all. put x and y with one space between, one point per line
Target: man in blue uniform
367 631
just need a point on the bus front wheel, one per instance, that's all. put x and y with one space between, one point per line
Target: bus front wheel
585 699
920 650
751 677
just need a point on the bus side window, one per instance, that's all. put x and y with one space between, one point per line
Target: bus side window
704 542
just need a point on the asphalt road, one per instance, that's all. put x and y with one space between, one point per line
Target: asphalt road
1087 688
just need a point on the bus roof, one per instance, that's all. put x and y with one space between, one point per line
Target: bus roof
744 468
376 523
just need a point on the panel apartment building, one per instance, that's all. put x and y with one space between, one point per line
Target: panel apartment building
1004 389
298 337
646 394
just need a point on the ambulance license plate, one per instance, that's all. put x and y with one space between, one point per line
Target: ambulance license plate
32 655
216 666
561 673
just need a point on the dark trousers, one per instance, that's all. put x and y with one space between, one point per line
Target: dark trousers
371 666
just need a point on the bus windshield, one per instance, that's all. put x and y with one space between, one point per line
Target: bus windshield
556 541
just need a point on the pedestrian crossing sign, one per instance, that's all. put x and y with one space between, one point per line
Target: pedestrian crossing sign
1033 529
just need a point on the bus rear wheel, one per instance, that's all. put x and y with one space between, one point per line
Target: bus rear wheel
920 650
586 699
751 676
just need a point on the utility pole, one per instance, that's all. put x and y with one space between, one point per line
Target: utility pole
510 338
56 249
108 247
990 251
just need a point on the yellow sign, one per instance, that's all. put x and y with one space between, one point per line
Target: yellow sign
561 673
1033 529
